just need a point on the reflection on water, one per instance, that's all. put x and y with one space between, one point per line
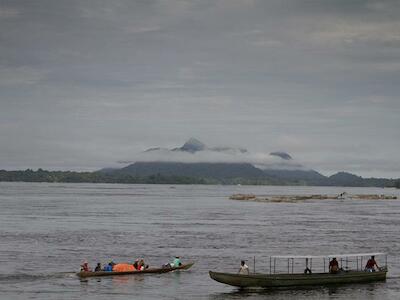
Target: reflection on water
318 292
176 278
119 281
47 230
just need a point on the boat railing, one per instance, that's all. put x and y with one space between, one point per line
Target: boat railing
320 264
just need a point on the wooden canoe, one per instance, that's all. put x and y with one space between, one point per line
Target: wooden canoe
84 274
296 280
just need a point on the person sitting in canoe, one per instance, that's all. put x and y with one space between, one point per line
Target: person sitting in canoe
136 264
139 265
98 267
176 263
142 265
371 263
85 266
333 266
109 267
244 269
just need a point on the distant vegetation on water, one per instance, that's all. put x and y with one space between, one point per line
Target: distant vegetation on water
93 177
215 176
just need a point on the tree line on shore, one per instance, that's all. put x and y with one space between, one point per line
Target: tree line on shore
41 175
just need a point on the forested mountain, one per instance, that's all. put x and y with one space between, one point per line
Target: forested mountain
196 163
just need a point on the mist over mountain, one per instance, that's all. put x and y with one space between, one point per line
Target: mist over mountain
195 151
224 164
196 163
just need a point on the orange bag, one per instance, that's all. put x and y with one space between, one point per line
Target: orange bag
123 268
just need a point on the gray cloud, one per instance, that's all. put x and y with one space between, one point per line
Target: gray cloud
85 84
212 155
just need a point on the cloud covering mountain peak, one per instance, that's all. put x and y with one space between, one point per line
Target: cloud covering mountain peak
192 145
195 151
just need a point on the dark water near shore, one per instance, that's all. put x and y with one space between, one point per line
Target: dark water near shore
46 230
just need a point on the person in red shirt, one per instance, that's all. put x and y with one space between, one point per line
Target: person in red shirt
85 266
371 263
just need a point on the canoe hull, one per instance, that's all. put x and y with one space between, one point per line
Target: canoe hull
84 274
296 280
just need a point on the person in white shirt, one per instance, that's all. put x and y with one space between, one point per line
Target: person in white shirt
244 269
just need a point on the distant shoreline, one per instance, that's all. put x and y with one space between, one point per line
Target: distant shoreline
41 175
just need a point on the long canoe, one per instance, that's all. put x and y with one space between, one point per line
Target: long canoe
296 280
84 274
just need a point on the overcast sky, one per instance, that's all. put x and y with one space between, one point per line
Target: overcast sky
84 84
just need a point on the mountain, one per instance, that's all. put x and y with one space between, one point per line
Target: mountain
202 170
194 160
278 167
348 179
306 177
192 145
108 170
230 166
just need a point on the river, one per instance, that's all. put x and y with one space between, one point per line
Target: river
47 230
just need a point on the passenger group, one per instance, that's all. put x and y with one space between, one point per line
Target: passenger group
369 267
138 265
333 267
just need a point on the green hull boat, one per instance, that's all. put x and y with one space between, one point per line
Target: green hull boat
296 280
317 271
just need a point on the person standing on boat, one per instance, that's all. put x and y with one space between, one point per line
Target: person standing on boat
244 269
371 263
333 266
307 270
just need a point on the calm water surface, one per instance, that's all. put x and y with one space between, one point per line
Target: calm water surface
47 230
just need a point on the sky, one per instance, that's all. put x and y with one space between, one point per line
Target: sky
85 84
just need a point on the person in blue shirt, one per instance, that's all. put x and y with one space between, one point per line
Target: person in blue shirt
109 267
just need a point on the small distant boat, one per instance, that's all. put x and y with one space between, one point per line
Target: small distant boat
85 274
291 279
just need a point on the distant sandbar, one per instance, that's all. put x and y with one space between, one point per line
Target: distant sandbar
301 198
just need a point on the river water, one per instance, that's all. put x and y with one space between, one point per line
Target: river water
47 230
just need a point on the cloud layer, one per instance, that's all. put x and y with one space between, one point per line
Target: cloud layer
260 160
86 83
